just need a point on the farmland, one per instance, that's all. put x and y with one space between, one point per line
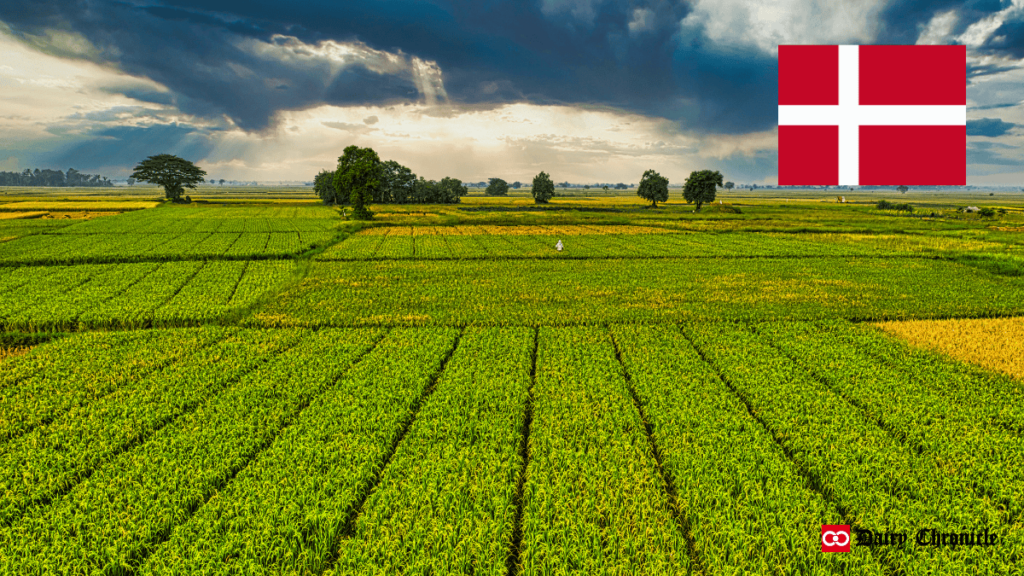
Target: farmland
251 385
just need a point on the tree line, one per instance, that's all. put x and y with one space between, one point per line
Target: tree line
361 179
52 178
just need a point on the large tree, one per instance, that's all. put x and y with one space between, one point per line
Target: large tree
700 187
173 173
359 178
497 187
543 188
653 187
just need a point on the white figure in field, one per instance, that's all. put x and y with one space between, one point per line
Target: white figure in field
559 245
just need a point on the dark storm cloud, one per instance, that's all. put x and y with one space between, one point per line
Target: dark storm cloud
489 51
990 127
973 71
1008 39
210 73
127 145
900 22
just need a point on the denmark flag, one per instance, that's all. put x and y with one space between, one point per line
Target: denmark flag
872 115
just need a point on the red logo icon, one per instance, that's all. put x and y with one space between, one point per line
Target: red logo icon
835 538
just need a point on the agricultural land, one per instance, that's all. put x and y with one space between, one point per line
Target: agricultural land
254 384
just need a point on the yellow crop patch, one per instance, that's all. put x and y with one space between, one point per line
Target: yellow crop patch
17 215
993 343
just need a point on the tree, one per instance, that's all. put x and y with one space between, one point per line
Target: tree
729 185
131 181
323 185
621 186
497 187
605 188
700 187
221 181
653 187
902 189
173 173
451 190
396 183
565 184
517 185
543 188
586 186
358 178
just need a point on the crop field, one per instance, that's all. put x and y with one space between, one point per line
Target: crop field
252 385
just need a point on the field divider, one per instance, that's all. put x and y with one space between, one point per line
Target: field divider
237 282
813 482
682 523
94 540
162 536
512 564
56 410
349 526
77 477
905 427
896 434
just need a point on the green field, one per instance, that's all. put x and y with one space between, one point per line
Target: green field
255 385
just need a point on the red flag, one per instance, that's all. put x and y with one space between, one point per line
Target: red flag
872 115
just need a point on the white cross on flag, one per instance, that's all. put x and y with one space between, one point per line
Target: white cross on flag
872 115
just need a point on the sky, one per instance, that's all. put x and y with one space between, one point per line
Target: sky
585 90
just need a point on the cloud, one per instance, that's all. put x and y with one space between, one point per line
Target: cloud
765 25
216 68
985 153
346 127
119 146
939 29
643 20
689 83
989 127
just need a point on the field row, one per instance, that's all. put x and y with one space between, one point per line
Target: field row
128 247
540 242
714 448
517 245
174 219
597 291
133 295
513 230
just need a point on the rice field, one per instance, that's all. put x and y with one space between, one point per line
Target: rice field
263 387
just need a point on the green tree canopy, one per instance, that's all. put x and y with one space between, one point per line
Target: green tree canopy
543 188
653 187
729 185
700 187
323 185
359 178
497 187
451 190
396 183
173 173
